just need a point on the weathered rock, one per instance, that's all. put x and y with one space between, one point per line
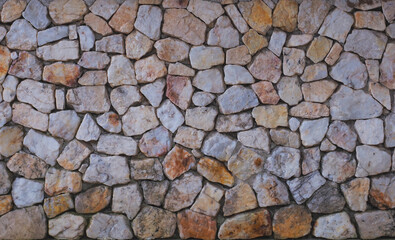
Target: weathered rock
93 200
12 10
36 14
201 118
318 91
64 124
234 122
309 110
64 50
254 41
87 38
311 15
341 135
180 69
148 21
369 19
179 90
235 74
5 178
336 25
60 73
189 137
183 191
111 44
202 99
146 169
257 14
271 116
334 54
153 222
375 224
303 187
366 43
314 72
284 162
10 140
39 95
338 166
113 144
265 92
127 199
236 99
285 15
110 122
26 116
209 81
300 39
285 137
9 88
21 36
137 45
239 199
153 92
312 132
381 94
387 72
107 170
207 11
154 192
53 206
68 226
88 99
5 204
25 66
124 17
372 161
88 129
109 226
196 225
208 201
104 9
123 97
289 90
236 18
327 199
27 165
334 226
370 131
62 181
171 50
318 49
356 193
27 192
277 41
94 60
156 142
266 66
170 116
67 11
255 138
286 218
177 162
215 171
270 190
219 146
382 191
348 104
149 69
223 34
43 146
203 57
327 146
138 120
311 160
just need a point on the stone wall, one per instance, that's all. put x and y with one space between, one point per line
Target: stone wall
127 119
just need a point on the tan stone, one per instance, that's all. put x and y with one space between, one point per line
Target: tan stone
176 162
62 73
266 66
334 54
12 10
285 15
369 19
271 116
318 91
179 91
309 110
10 140
238 55
5 204
318 49
239 199
25 66
62 181
215 171
97 24
291 222
171 50
93 200
149 69
254 41
137 45
5 61
123 19
67 11
56 205
265 92
27 116
195 225
257 14
26 165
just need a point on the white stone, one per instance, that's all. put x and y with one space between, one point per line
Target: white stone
51 34
64 50
87 37
149 20
138 120
123 97
235 74
39 95
64 124
370 131
209 81
223 34
127 199
372 161
21 36
88 130
112 144
27 192
170 116
312 132
43 146
203 57
277 41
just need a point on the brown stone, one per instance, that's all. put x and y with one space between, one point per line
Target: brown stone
285 15
247 225
123 19
238 55
309 110
67 11
97 24
239 199
291 222
175 4
176 162
254 41
179 90
5 204
265 92
318 49
10 140
5 61
62 73
12 10
195 225
54 206
215 171
257 14
26 165
318 91
93 200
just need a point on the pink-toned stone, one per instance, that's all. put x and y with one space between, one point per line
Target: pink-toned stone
67 11
266 66
155 142
309 110
25 66
179 90
149 69
62 73
26 165
123 19
97 24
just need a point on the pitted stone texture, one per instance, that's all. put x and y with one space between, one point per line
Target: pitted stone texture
303 187
338 166
156 142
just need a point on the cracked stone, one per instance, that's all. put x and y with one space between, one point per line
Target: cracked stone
123 97
303 187
366 43
155 142
336 25
284 162
356 193
88 129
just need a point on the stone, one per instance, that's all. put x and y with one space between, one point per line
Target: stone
180 69
312 132
390 30
53 206
127 199
39 95
340 134
294 124
64 124
318 91
372 161
388 7
255 138
87 38
172 4
257 14
201 118
271 116
26 223
371 19
284 162
235 74
153 92
113 144
110 122
27 192
370 131
148 21
73 155
153 222
26 116
236 99
314 72
338 166
137 45
107 170
285 138
123 97
64 50
177 162
382 191
215 171
149 69
179 90
25 66
68 226
265 92
27 165
124 18
334 226
88 129
375 224
3 32
209 81
342 100
94 60
234 122
183 191
182 24
52 34
311 160
88 99
293 61
60 99
285 219
5 61
5 204
189 137
155 142
254 41
171 50
277 41
318 49
327 199
67 11
202 99
269 189
266 66
373 43
303 187
73 34
312 14
239 199
387 71
21 36
289 90
36 14
223 34
97 24
245 162
154 192
285 15
236 18
381 94
12 10
104 9
309 110
219 146
327 146
333 54
62 181
5 178
111 44
93 200
203 57
10 140
43 146
110 226
299 40
146 169
336 25
60 73
138 120
206 11
238 55
207 202
170 116
356 193
196 225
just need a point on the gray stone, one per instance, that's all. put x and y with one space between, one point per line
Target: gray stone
338 166
113 144
104 8
293 61
277 41
121 71
255 138
43 146
303 187
89 99
284 162
104 226
235 74
127 199
366 43
26 66
154 92
294 124
311 160
9 88
201 118
5 178
236 99
207 11
51 34
88 130
64 124
236 18
6 113
170 116
27 192
234 122
155 142
285 137
93 78
289 90
67 226
203 57
314 72
87 38
21 36
189 137
111 44
299 40
146 169
64 50
246 162
239 199
94 60
202 99
372 161
149 20
37 14
312 132
311 15
335 226
340 134
350 71
356 193
375 224
209 81
336 25
327 199
223 34
154 192
39 95
389 130
123 97
266 66
219 146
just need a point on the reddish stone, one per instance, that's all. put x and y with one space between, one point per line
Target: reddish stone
97 24
177 161
5 204
179 91
5 60
195 225
215 171
265 92
27 165
61 73
292 222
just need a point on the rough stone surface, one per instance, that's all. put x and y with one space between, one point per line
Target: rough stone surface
114 226
327 199
335 226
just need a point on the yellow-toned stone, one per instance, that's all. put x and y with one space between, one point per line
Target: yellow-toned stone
97 24
215 171
56 205
67 11
285 15
318 49
271 116
5 61
254 41
5 204
292 222
257 14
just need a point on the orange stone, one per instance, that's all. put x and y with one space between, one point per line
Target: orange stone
265 92
195 225
62 73
5 61
285 15
97 24
177 161
59 204
123 19
93 200
62 181
257 14
215 171
5 204
293 221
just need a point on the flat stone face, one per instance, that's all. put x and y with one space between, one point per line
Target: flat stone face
386 70
27 192
338 166
25 66
191 224
104 9
375 224
289 90
138 120
293 61
66 11
148 21
303 187
43 146
311 15
327 199
209 81
62 181
155 142
149 69
149 168
59 73
39 95
382 192
177 162
87 38
246 162
88 99
340 134
94 60
257 14
312 132
237 99
223 34
356 193
318 49
234 122
271 116
172 50
121 72
5 204
318 91
153 92
265 92
124 18
88 129
286 218
64 50
93 200
370 131
104 225
154 192
67 226
372 161
53 206
219 146
373 43
27 165
64 124
12 10
270 190
203 57
239 199
215 171
123 97
205 11
266 66
113 144
335 226
336 25
283 162
254 41
26 116
22 36
255 138
179 90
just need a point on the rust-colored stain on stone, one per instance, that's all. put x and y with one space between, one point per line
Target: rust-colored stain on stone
215 171
177 161
61 73
196 225
93 200
58 204
292 222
